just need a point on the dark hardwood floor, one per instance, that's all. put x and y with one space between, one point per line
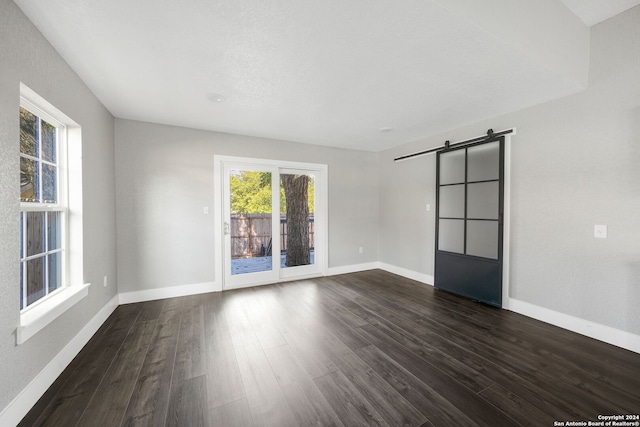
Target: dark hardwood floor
368 348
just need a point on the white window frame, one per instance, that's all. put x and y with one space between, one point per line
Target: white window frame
60 206
40 313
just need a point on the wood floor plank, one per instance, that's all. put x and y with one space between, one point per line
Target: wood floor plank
476 408
298 332
390 404
418 308
224 382
111 398
495 372
190 357
307 403
349 335
240 328
531 391
151 310
312 357
266 401
188 403
319 317
150 399
531 381
352 408
420 395
67 406
605 390
40 408
232 414
263 326
342 314
423 329
517 408
448 364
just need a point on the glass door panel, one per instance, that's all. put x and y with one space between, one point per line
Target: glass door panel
483 200
298 222
297 219
451 235
484 162
249 225
482 239
251 216
452 201
453 167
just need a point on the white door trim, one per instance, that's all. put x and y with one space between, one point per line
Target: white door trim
506 222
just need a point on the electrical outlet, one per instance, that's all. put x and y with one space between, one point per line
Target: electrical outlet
106 281
361 250
206 210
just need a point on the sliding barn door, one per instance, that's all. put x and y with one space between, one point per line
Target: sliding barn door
469 227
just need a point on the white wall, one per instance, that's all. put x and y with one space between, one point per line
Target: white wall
165 178
575 163
25 56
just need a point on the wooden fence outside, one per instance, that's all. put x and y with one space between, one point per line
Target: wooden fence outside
251 234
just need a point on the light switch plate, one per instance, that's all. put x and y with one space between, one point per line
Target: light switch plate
600 231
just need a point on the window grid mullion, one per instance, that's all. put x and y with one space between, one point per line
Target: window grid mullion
29 157
41 254
41 160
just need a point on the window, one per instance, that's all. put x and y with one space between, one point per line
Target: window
51 242
43 205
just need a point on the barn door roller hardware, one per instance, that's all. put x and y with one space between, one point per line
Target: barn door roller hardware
448 145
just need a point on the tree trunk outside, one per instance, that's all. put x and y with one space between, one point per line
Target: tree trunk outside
295 191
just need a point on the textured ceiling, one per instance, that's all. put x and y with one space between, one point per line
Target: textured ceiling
329 72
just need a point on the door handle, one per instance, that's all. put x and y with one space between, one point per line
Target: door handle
227 228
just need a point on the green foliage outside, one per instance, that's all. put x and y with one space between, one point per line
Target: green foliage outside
38 140
251 193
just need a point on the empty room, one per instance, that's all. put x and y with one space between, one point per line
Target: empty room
296 213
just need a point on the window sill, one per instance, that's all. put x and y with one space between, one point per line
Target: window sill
35 319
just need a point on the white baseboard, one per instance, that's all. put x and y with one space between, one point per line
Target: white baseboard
334 271
594 330
168 292
23 402
409 274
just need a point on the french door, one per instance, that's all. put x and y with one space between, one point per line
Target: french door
469 224
273 221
